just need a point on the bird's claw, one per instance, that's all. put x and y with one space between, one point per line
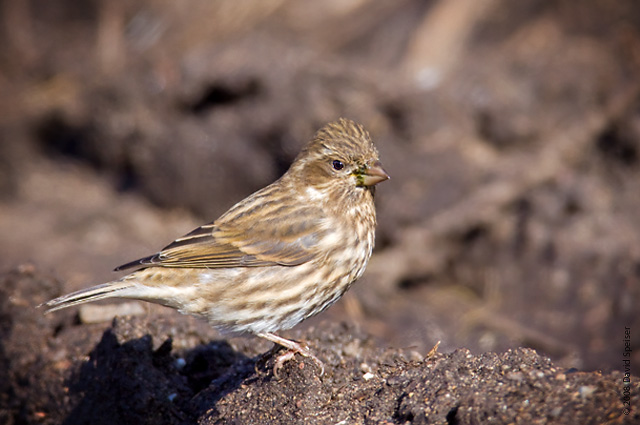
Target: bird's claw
292 347
289 355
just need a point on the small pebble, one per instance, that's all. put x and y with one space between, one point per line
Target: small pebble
179 363
586 391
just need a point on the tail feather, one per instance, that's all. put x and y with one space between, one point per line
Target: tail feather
98 292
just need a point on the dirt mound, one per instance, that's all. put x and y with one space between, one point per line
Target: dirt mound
152 370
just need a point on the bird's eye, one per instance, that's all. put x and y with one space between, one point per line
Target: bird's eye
337 165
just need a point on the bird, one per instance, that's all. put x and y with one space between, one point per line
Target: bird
283 254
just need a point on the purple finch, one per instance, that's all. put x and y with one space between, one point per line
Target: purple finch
283 254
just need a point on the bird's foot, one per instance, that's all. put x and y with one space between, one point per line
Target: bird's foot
293 348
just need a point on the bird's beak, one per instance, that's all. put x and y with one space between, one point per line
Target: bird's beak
374 174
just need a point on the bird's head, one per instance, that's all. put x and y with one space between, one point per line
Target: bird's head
341 156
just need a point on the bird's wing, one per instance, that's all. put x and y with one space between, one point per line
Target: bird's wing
263 236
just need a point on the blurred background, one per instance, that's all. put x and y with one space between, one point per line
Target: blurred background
511 131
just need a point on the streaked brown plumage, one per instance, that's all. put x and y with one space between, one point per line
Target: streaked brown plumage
283 254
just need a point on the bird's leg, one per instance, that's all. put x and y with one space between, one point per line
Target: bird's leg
292 347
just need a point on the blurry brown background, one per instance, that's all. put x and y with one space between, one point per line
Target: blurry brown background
511 131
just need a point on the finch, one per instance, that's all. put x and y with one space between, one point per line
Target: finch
283 254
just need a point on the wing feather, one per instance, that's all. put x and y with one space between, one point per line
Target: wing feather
251 234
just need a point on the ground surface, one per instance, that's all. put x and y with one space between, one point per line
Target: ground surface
511 131
158 370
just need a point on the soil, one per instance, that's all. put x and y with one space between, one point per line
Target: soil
508 233
164 369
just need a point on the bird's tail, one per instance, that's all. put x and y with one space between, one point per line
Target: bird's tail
98 292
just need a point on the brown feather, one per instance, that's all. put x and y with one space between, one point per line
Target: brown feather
239 239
